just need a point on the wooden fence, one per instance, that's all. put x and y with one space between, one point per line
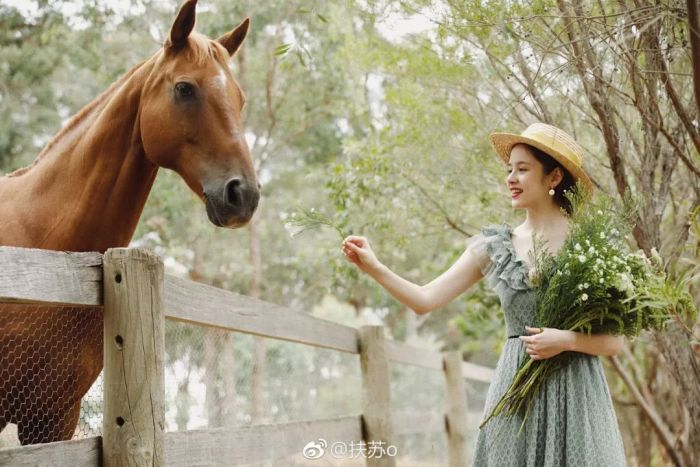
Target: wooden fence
137 297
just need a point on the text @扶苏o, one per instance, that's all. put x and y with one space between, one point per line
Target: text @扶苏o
353 449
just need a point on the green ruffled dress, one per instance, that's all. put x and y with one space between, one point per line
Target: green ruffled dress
572 421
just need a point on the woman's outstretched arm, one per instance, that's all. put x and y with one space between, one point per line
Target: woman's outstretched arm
421 298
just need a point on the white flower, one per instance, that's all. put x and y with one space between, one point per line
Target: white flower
582 258
577 247
585 285
624 283
600 213
600 280
591 250
584 297
641 255
656 257
580 286
602 235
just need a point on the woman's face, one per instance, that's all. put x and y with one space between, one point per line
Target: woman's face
526 180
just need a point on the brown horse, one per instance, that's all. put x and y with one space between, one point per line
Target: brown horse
180 110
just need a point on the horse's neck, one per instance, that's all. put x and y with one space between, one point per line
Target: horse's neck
90 185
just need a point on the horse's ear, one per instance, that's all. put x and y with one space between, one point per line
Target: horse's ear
232 40
183 25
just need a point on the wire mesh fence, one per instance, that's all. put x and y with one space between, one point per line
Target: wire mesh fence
415 389
219 378
49 358
213 378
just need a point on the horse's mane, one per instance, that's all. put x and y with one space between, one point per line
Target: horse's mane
77 118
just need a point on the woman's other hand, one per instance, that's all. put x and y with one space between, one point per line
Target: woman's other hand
358 251
546 342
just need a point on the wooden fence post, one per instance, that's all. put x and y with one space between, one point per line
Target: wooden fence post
377 424
456 409
134 383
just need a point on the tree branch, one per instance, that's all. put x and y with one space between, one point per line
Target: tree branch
662 431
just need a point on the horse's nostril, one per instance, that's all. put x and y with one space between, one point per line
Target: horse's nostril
259 185
232 192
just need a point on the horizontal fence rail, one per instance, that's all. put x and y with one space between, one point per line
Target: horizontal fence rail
226 445
258 443
79 452
206 305
76 279
50 277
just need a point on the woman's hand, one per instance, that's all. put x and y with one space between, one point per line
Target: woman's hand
358 251
546 342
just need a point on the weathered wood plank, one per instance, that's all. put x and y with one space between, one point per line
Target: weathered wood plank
29 275
456 409
257 443
406 423
80 452
477 372
134 348
400 352
474 419
202 304
376 393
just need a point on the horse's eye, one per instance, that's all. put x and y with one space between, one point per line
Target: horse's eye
184 90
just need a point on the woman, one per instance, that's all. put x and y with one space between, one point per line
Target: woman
572 421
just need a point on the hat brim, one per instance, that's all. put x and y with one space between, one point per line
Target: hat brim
502 143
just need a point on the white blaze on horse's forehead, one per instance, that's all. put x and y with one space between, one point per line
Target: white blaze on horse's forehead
219 80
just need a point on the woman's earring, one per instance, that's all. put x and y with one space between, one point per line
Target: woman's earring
551 192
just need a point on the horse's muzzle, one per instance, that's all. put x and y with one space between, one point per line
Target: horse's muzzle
233 203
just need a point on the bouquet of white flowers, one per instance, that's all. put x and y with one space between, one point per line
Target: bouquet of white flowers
594 284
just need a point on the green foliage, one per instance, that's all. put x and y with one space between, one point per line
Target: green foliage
310 219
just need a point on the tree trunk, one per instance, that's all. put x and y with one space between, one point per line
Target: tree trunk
694 33
682 365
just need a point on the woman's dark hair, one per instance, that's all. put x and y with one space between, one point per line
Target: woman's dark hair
566 184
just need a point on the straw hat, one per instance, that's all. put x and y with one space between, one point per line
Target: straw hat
550 139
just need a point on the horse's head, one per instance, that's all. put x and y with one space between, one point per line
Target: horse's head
190 119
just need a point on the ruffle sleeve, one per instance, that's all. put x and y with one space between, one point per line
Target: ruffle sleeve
476 246
497 258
